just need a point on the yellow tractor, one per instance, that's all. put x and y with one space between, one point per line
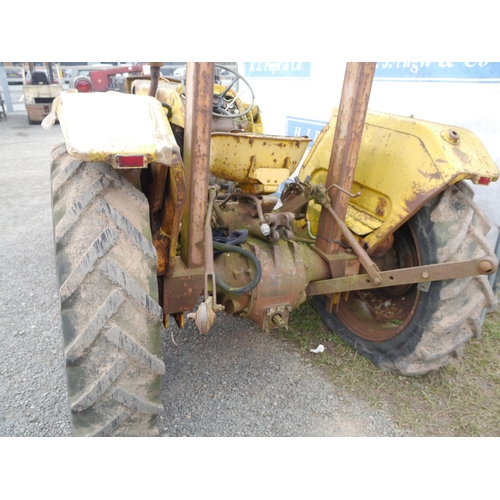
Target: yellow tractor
164 203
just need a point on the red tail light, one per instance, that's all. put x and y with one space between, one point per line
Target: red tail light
478 179
83 84
131 161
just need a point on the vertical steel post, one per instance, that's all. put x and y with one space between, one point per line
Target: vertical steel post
197 133
347 139
50 72
4 83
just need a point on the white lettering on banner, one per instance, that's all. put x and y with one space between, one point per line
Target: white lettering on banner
412 66
272 67
415 66
300 127
255 67
486 72
472 64
312 134
278 69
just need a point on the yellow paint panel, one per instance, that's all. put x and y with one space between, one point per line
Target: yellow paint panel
253 159
360 221
402 163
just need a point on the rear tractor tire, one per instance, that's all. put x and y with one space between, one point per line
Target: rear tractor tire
411 330
111 320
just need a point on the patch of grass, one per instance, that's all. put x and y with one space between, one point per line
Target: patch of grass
461 399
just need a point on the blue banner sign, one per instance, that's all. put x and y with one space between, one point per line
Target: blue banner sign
485 72
299 127
278 69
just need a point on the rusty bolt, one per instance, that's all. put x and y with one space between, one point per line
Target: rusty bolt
425 274
485 267
377 281
454 136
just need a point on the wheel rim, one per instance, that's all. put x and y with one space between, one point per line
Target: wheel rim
382 314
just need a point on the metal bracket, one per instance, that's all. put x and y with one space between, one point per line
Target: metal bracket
421 274
424 287
204 316
323 199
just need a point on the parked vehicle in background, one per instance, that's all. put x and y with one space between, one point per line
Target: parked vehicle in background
41 86
56 76
179 72
102 80
71 74
14 75
113 78
101 77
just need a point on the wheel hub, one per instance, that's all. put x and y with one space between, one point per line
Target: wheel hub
381 314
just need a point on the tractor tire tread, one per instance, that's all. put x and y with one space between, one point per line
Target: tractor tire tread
111 319
456 229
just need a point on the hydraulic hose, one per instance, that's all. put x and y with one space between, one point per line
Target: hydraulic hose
248 255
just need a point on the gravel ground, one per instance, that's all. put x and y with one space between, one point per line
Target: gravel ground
237 381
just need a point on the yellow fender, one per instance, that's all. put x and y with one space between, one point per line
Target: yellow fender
402 164
102 126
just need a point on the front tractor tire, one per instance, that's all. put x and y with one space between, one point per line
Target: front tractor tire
111 320
411 330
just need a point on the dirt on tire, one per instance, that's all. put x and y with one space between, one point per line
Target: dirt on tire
447 314
111 319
